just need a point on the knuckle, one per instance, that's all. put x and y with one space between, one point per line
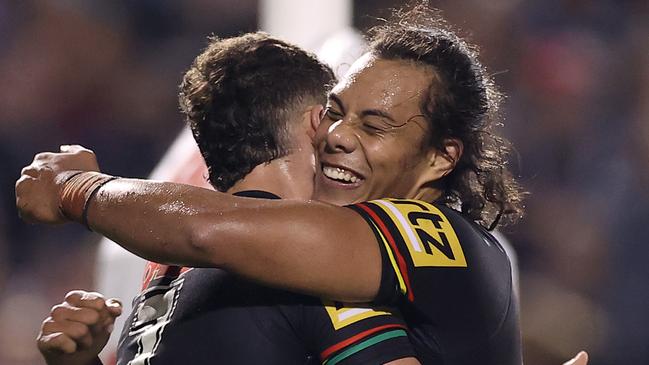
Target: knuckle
74 296
43 156
58 311
93 300
96 295
47 326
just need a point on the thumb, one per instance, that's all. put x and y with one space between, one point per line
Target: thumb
114 307
580 359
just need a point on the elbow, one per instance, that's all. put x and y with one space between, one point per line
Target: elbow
204 248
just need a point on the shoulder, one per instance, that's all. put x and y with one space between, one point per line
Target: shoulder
432 233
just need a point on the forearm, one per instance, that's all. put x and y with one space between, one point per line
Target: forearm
309 247
155 220
300 246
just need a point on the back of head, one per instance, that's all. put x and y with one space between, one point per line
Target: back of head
462 102
239 97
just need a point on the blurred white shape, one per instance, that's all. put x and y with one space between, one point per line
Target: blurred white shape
341 49
513 259
119 272
307 23
304 22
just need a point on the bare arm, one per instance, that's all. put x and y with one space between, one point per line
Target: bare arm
305 246
308 247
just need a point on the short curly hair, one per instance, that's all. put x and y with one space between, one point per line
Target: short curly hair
240 95
462 102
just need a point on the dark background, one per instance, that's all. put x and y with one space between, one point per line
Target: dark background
105 73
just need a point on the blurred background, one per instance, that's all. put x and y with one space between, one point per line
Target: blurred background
104 74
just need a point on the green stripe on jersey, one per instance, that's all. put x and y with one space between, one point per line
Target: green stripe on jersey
363 345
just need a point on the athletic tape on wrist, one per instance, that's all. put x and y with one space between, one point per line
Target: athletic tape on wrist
77 193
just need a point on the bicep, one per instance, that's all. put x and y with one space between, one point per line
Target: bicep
312 248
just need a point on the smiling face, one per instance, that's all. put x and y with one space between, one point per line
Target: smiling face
369 142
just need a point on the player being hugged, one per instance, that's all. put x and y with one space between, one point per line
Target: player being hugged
408 137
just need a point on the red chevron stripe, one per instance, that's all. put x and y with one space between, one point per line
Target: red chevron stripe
342 344
400 260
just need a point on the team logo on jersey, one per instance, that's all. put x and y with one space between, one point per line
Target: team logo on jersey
152 314
429 236
342 315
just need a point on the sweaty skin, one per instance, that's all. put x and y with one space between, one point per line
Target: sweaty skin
265 176
226 232
235 233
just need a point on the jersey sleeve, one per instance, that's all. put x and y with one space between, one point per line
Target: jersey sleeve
450 278
414 237
345 334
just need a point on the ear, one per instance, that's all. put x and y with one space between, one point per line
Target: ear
315 116
453 149
442 162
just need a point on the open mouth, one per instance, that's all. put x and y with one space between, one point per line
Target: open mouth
341 175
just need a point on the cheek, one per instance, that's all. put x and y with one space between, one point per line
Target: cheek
322 130
396 164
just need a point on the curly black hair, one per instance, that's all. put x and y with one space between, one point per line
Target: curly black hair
462 102
239 97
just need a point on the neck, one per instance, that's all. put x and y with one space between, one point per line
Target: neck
427 193
282 177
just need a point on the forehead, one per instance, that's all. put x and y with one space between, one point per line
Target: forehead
383 84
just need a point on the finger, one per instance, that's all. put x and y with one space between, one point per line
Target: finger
23 182
23 186
96 302
580 359
43 156
84 299
56 342
65 311
29 170
114 306
76 331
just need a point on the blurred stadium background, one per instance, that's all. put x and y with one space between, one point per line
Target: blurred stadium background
105 73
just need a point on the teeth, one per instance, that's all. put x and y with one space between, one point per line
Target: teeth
337 173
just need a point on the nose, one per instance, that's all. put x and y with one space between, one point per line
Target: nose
341 137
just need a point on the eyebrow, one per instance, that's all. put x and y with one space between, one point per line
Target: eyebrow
368 112
336 99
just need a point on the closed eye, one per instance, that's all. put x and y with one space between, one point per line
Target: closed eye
332 114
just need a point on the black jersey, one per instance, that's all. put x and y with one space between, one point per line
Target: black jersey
208 316
451 280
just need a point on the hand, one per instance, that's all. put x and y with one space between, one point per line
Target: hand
78 329
38 190
580 359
